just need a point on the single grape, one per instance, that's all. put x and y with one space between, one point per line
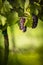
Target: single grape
35 21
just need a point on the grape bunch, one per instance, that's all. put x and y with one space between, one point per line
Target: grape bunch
35 21
21 24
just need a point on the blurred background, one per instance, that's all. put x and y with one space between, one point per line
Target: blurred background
25 48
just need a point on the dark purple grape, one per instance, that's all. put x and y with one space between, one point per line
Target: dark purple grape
35 21
24 29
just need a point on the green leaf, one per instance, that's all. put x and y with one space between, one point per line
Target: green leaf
15 3
12 18
6 7
21 3
29 21
2 20
26 5
35 9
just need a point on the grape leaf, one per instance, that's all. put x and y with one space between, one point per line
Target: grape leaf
21 3
12 18
6 7
26 5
